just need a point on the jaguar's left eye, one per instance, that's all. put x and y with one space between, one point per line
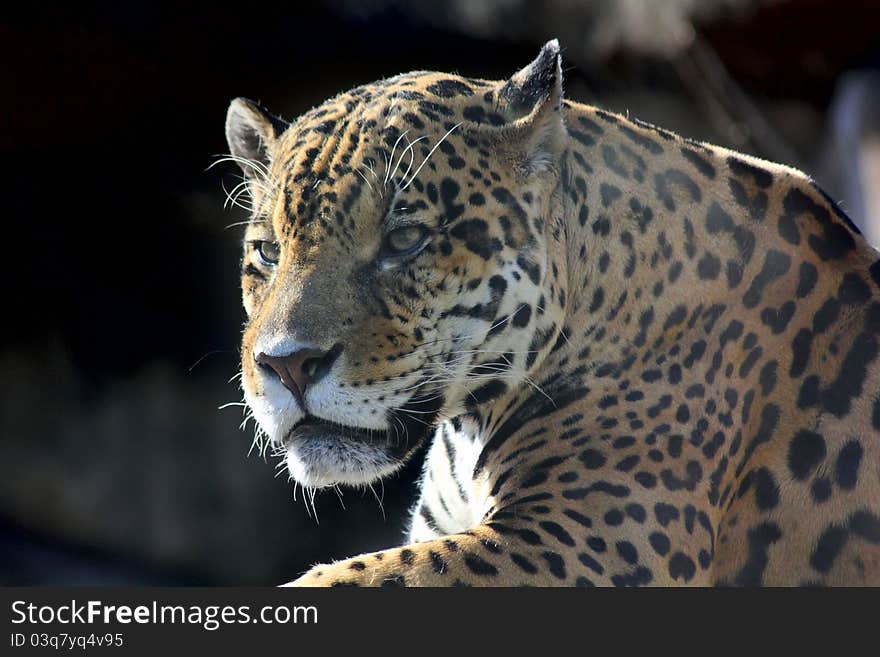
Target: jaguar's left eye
405 240
268 252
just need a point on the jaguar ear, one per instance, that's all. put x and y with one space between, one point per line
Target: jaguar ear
532 101
251 132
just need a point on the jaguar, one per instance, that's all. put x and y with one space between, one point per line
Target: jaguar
631 358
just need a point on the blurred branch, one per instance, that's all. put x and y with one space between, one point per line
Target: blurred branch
728 107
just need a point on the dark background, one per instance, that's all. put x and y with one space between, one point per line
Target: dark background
122 308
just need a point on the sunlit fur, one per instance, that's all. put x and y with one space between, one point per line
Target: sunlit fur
638 359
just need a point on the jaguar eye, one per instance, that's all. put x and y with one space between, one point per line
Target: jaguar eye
405 240
268 252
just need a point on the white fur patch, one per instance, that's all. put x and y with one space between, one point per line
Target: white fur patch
448 490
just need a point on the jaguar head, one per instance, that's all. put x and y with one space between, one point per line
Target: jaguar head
403 262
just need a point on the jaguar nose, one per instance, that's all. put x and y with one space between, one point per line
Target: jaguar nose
300 368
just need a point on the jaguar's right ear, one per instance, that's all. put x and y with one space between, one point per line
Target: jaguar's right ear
251 132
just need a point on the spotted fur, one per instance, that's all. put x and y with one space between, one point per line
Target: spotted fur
640 359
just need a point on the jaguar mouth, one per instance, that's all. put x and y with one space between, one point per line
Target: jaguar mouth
322 453
311 427
407 426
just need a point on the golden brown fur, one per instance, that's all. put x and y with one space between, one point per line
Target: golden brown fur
662 354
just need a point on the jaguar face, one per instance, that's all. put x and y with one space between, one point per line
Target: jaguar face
399 265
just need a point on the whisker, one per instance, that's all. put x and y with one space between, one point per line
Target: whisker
228 404
391 157
412 157
361 174
430 153
207 355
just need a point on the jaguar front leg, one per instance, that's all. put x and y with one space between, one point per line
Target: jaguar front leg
481 556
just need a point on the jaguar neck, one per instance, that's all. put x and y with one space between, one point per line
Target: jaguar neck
656 256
